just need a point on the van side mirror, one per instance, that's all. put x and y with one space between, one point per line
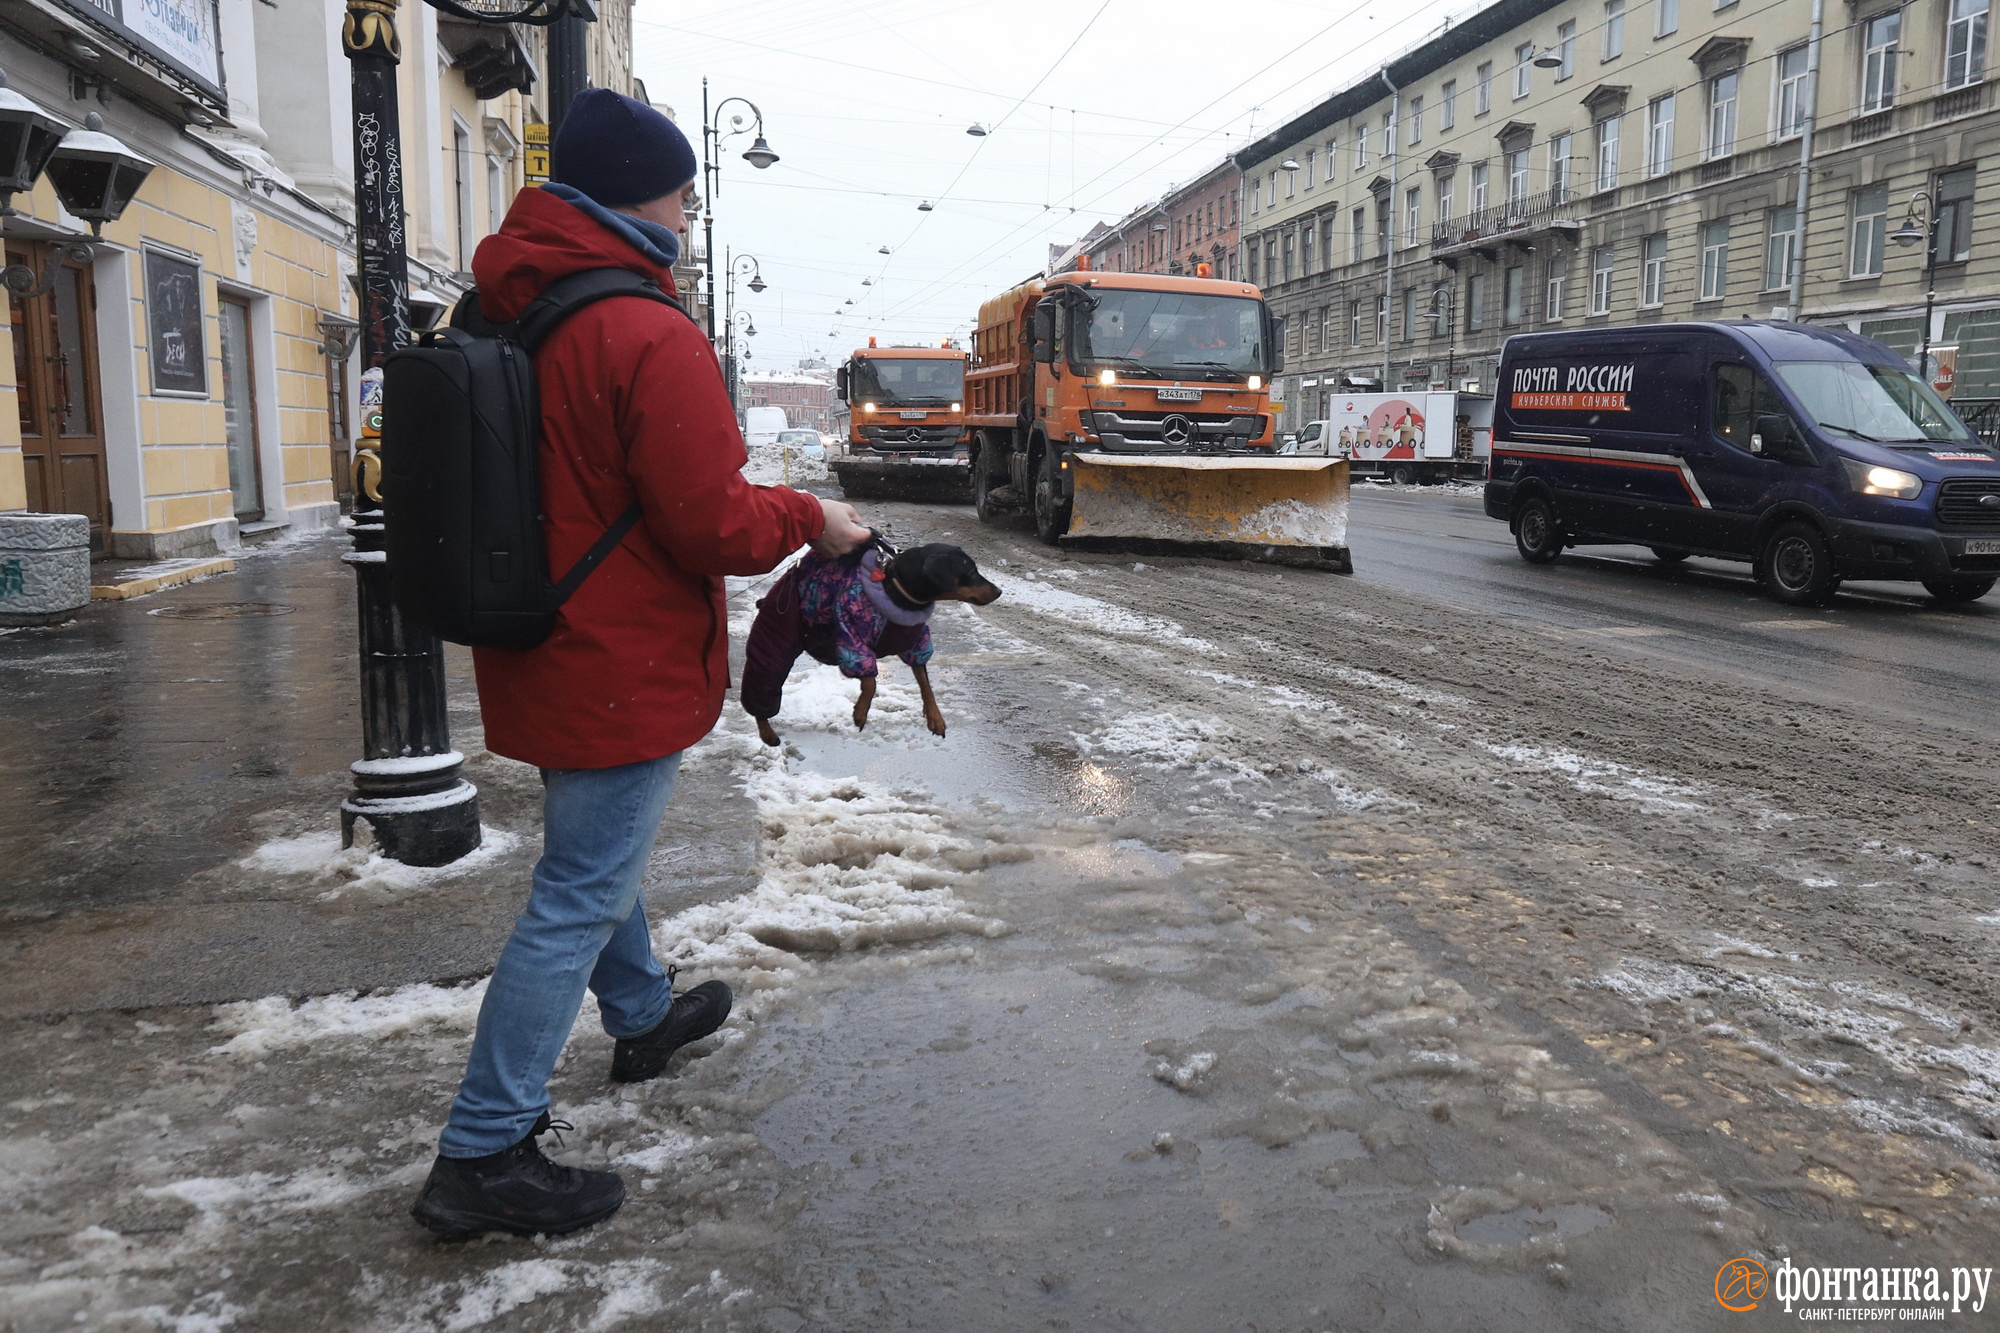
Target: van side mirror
1042 331
1775 437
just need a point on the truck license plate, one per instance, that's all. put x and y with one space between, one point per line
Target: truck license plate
911 416
1982 548
1180 395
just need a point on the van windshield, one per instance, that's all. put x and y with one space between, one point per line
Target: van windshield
1880 404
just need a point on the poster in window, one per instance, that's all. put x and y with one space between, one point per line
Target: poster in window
174 325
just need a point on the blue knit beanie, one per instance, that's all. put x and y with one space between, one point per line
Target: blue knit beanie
619 151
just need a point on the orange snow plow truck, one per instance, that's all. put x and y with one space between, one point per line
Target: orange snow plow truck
906 435
1131 412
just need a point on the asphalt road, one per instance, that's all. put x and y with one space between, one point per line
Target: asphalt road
1885 647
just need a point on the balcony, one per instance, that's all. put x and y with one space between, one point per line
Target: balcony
1513 222
1959 102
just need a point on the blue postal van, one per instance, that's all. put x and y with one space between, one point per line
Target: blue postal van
1813 453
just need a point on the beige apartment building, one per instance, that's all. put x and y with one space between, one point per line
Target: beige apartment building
192 381
1573 163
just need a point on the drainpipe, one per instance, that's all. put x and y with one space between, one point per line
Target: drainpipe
1395 155
1798 292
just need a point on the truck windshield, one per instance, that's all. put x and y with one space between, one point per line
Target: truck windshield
906 381
1176 333
1880 404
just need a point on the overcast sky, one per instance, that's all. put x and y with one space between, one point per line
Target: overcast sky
1094 107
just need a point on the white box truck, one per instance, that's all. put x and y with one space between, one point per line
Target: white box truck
1406 437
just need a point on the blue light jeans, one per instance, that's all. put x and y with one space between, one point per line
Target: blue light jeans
585 925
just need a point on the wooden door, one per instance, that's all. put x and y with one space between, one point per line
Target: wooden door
56 384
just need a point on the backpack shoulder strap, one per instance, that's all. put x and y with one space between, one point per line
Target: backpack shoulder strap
567 295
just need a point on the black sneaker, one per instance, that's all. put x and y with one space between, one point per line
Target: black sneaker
690 1017
516 1190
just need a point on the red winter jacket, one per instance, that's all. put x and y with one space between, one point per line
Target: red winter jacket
632 404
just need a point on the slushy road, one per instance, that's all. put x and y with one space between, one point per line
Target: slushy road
1885 647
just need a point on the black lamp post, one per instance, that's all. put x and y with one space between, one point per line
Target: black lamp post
1920 224
758 155
407 784
1443 315
756 284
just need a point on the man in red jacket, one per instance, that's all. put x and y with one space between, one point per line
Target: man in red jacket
632 406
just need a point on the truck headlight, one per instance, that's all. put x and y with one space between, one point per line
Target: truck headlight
868 407
1107 377
1874 479
1256 381
958 407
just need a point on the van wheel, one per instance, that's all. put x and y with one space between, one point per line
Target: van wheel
1051 513
1536 531
1958 590
1667 555
1403 475
1796 566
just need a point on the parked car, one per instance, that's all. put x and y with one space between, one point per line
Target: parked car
809 443
1811 452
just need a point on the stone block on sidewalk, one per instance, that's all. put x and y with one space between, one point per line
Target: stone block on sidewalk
44 567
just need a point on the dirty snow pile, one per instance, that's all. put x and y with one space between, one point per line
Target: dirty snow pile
787 465
343 870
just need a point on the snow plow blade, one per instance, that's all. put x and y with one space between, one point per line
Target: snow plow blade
936 480
1287 511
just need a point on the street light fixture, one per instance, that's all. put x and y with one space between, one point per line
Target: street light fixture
758 155
736 266
1921 223
28 137
1548 59
925 207
883 251
976 130
95 175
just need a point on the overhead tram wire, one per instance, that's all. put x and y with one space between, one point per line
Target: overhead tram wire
1229 92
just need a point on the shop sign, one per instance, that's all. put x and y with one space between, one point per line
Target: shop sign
178 33
535 152
178 351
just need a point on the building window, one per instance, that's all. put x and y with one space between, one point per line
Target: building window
1600 280
1566 49
1965 43
1291 182
1605 133
1714 260
1326 239
1444 189
1252 252
1791 92
1660 135
1781 246
1382 318
1415 115
461 174
1409 314
1285 274
1517 175
1388 135
1524 69
1253 196
1385 223
1558 280
1653 271
1354 323
1867 211
1312 331
1360 147
1722 115
1954 228
1413 213
1448 104
1512 281
1360 234
1479 187
1559 182
1475 303
1306 235
1482 88
1614 29
1879 39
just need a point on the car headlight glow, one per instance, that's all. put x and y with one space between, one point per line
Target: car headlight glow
1107 377
1256 381
1874 479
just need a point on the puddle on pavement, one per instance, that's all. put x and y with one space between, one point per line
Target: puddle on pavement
1522 1226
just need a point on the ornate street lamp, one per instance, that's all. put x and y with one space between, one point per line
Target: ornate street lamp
1920 224
28 136
758 155
95 175
736 266
407 784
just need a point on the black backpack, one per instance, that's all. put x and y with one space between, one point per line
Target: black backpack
461 480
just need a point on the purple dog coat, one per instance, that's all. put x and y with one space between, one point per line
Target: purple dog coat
839 612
